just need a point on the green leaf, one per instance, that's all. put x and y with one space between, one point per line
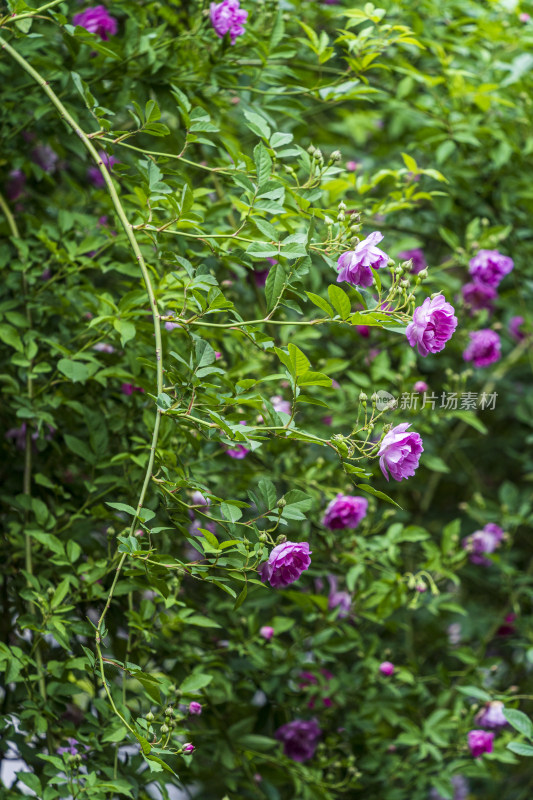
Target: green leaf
263 163
116 735
321 303
257 124
123 507
382 496
410 163
520 749
340 301
299 362
80 448
268 491
519 721
9 335
474 691
60 593
229 512
254 741
193 683
275 283
241 598
32 781
75 371
314 379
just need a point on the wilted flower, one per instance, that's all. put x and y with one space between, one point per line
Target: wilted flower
433 325
480 742
479 295
94 174
285 564
484 348
300 738
354 265
417 257
386 668
492 715
515 323
460 789
97 20
345 511
228 17
195 708
490 266
400 452
267 632
483 542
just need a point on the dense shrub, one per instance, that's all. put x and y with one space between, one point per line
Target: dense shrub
266 527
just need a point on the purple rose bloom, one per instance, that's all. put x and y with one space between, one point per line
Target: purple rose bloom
345 511
354 265
45 157
386 668
400 452
97 20
417 257
340 600
490 266
479 295
484 348
480 742
433 325
267 632
228 17
285 564
515 323
300 738
460 789
237 452
15 184
94 174
195 708
483 542
492 715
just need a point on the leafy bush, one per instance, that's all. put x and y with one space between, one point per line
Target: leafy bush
230 569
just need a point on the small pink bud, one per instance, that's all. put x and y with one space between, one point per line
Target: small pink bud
218 355
188 748
351 166
195 708
266 632
421 387
386 668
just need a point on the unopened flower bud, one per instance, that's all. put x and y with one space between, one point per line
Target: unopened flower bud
281 539
263 537
328 220
164 729
422 274
169 711
149 717
335 156
188 748
362 397
281 502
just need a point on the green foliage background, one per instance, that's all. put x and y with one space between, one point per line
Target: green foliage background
433 100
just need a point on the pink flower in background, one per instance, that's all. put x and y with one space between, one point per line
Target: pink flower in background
45 157
94 174
400 452
261 275
218 355
515 323
417 257
300 738
386 668
433 325
103 347
285 564
340 600
267 632
354 265
484 348
196 524
480 742
490 266
238 452
524 17
169 326
460 786
129 388
308 679
97 20
482 543
199 500
228 17
327 420
345 511
351 166
195 708
363 330
280 404
479 295
15 184
420 387
508 627
492 715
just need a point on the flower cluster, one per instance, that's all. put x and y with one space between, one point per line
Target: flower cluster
228 17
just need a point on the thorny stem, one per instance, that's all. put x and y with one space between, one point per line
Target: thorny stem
128 228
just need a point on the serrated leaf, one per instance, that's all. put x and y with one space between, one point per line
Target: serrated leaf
520 749
299 362
229 512
263 163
